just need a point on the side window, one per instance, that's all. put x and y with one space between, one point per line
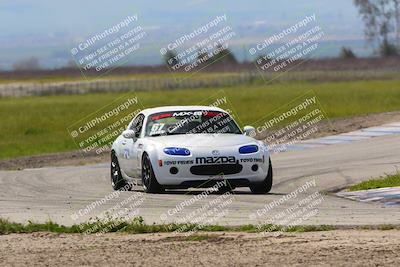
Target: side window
137 124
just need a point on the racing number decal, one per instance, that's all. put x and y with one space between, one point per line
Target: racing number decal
157 128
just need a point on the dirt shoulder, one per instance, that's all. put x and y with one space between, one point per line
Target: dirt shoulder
338 248
73 158
331 127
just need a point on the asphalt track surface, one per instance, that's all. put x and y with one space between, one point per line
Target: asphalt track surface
56 193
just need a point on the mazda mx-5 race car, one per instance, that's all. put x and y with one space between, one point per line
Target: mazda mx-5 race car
189 146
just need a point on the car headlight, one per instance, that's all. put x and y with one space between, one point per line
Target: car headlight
248 149
177 151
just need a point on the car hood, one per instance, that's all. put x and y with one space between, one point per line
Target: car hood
203 140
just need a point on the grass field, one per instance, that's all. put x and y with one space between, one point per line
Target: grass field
314 75
137 226
165 75
387 181
37 125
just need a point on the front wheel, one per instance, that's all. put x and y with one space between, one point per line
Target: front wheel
225 189
264 186
149 181
117 181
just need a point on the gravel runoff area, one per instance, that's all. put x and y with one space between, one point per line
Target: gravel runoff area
332 127
330 248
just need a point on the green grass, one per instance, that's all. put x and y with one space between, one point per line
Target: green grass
310 75
137 226
193 232
385 181
38 125
123 77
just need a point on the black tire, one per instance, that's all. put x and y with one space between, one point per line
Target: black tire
225 189
149 181
117 181
264 186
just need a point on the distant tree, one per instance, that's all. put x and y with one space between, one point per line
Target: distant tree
381 18
387 50
170 58
397 18
346 52
203 57
31 63
202 54
263 59
71 64
224 56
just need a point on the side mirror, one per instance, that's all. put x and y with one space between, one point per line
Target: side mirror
129 134
249 131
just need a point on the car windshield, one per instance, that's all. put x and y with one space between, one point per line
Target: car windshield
186 122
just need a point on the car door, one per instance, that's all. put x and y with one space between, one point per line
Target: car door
129 148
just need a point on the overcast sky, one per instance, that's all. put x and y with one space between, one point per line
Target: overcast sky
19 17
49 27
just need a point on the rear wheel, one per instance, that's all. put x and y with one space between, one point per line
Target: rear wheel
117 181
264 186
149 181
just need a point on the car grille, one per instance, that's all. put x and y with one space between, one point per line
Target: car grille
216 169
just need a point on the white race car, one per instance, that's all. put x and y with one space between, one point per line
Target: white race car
189 146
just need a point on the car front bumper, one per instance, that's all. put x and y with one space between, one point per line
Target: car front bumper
202 168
